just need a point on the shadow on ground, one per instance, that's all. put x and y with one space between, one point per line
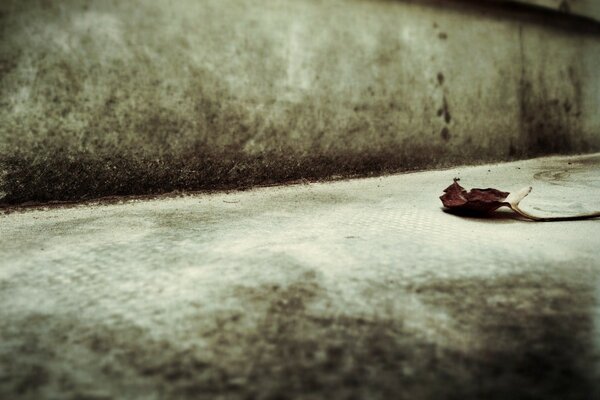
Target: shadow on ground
531 340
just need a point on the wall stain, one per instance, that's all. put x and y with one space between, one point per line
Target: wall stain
445 133
446 111
549 124
440 78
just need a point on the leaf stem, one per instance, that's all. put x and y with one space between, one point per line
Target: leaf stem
577 217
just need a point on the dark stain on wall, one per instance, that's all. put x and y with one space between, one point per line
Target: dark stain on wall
446 111
440 78
63 174
546 126
550 122
445 133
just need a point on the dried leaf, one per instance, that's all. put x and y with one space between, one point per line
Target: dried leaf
484 201
478 200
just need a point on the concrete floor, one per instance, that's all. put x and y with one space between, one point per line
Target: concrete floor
353 289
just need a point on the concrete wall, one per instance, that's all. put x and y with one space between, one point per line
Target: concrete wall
308 87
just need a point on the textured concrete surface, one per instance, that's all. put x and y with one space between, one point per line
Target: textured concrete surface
113 97
354 289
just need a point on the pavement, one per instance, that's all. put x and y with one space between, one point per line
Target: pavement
351 289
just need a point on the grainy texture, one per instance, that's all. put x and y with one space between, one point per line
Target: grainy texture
357 289
134 97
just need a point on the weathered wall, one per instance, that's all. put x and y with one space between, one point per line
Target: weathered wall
113 97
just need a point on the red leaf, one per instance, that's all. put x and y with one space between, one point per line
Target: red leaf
455 197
